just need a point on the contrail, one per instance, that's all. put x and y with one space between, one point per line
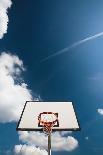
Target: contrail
73 46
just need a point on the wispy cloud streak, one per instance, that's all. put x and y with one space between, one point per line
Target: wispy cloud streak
73 46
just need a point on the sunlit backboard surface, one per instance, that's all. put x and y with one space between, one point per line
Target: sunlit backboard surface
66 116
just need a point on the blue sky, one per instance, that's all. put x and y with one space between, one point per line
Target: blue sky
36 30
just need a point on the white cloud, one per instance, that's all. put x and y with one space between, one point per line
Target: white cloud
59 143
28 150
4 5
86 138
13 91
100 111
95 84
63 133
97 77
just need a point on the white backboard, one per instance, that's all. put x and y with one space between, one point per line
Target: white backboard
66 116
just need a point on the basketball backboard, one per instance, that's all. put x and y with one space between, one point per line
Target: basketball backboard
67 119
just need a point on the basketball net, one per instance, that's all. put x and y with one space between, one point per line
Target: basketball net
47 120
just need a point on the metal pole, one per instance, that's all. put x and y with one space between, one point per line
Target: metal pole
49 144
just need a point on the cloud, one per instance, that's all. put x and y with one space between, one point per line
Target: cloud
95 84
13 90
97 77
100 111
59 142
4 5
86 138
63 133
28 150
76 44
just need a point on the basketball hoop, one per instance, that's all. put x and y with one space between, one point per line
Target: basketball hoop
42 116
47 120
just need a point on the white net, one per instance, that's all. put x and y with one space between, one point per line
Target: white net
48 117
47 120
